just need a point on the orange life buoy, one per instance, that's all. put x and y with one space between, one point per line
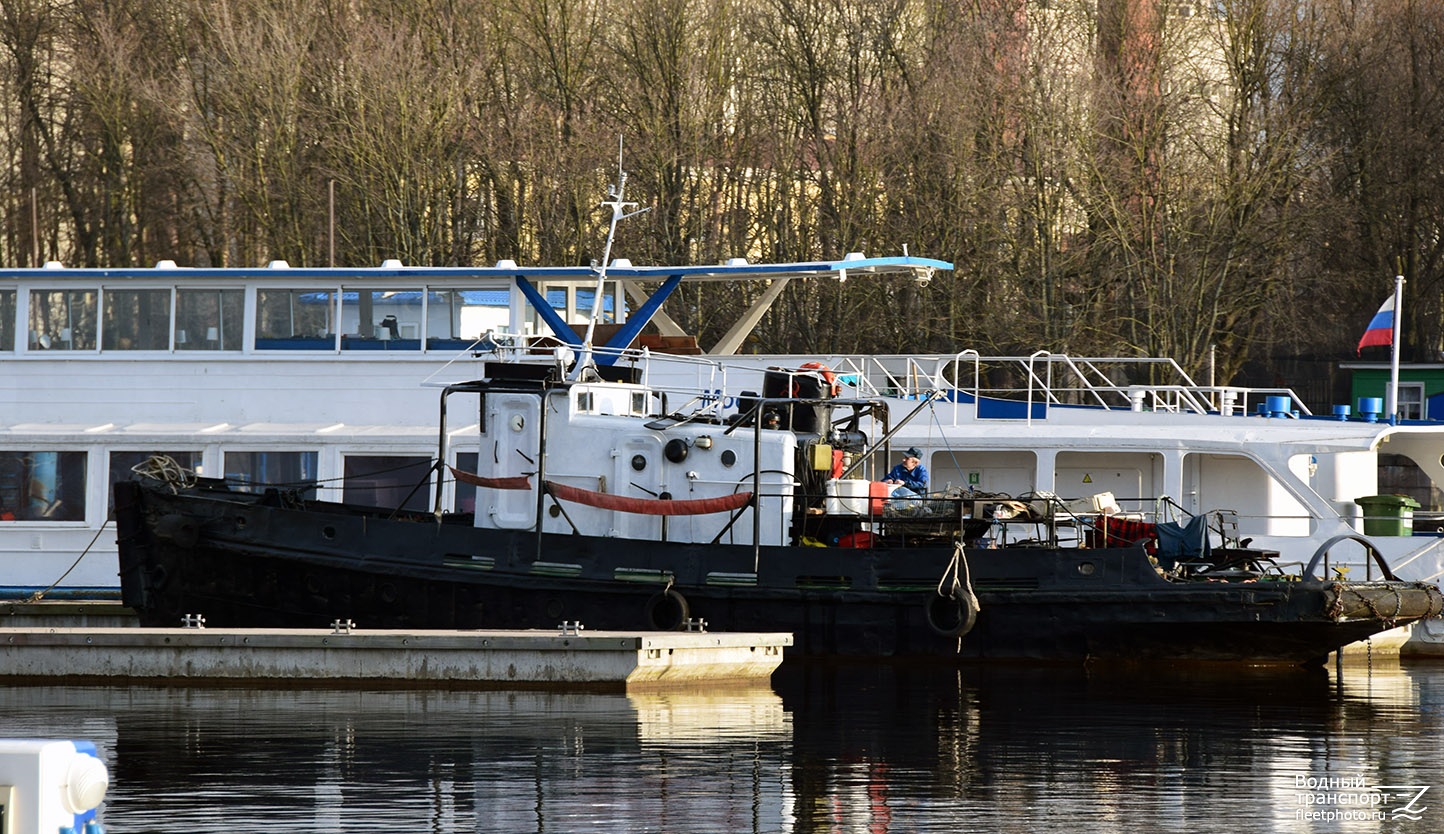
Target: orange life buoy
827 375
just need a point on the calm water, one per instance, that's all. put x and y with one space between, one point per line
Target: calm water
855 748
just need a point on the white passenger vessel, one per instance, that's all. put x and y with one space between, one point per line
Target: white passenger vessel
312 379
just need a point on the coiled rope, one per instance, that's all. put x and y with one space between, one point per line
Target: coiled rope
164 468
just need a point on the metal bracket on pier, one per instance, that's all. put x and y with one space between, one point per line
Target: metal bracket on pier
342 626
193 621
694 625
571 628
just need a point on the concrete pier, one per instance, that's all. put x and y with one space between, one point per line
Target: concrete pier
551 658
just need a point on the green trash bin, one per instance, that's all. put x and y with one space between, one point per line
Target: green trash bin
1388 515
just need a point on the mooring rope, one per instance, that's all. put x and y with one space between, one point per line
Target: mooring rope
964 585
36 596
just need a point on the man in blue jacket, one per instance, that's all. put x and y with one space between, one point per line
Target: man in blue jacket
909 479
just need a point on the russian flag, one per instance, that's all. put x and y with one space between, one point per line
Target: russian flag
1381 327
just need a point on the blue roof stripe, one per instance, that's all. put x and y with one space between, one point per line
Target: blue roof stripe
537 273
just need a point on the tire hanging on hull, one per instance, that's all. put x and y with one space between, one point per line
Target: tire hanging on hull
952 610
668 610
952 616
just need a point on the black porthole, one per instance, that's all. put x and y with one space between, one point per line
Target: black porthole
639 462
729 457
328 533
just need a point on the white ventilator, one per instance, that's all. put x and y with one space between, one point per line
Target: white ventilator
50 786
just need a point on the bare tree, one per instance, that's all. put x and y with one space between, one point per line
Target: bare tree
247 70
1191 188
393 108
34 36
1380 96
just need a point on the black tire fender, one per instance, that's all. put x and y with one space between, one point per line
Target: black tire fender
668 610
951 616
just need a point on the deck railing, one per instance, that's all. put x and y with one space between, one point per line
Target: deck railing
997 387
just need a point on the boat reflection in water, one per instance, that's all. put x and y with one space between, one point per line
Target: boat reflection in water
864 747
288 760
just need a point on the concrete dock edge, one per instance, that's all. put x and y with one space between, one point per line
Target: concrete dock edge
529 658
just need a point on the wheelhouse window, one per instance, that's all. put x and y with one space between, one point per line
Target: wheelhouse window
295 320
62 319
381 319
7 320
136 320
465 501
391 481
256 471
123 466
42 486
209 319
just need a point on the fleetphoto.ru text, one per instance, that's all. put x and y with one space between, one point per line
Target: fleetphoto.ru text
1330 798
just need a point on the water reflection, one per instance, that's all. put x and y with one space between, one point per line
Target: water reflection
829 748
285 760
1026 749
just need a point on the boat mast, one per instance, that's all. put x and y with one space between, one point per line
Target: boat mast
618 205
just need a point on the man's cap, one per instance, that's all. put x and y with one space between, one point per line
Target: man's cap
913 452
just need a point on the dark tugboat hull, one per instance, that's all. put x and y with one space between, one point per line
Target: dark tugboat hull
248 561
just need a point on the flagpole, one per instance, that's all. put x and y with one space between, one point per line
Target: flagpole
1392 406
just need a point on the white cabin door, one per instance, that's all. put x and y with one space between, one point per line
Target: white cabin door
510 447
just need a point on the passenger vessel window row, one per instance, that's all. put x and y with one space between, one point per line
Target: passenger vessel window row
234 319
52 486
